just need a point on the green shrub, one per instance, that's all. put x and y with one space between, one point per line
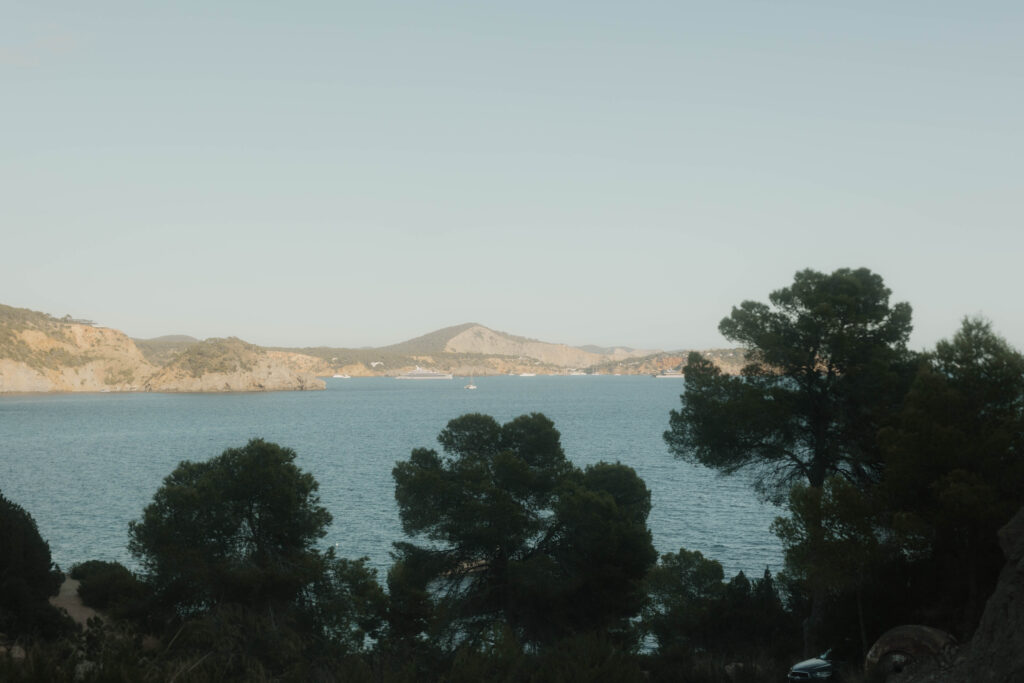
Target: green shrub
119 376
90 568
28 577
217 355
111 587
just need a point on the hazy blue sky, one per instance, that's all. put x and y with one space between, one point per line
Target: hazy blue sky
348 174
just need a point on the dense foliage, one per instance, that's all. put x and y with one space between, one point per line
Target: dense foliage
111 587
216 355
240 527
955 469
894 472
691 609
520 538
827 367
826 364
27 576
230 544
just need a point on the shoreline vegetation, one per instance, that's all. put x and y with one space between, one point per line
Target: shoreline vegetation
40 353
899 478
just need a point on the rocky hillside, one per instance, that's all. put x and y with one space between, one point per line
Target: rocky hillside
40 353
231 365
478 339
472 349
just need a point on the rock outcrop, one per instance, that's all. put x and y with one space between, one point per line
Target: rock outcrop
73 357
39 353
995 654
265 374
230 365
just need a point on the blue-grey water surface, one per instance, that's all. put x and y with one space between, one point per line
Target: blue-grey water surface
84 465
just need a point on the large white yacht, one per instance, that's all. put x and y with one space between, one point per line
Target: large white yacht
420 373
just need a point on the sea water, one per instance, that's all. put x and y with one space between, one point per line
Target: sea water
84 465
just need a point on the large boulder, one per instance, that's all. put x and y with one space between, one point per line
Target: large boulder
904 650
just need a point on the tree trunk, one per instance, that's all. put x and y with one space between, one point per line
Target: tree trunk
812 624
860 616
814 621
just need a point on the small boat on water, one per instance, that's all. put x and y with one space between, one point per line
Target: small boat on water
527 374
670 374
341 376
420 373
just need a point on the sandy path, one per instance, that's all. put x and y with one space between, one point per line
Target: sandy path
69 601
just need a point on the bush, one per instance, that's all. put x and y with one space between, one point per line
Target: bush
90 568
109 586
28 577
229 548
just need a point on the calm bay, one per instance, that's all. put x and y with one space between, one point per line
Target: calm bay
84 465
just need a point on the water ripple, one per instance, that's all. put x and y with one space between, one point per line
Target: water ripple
85 465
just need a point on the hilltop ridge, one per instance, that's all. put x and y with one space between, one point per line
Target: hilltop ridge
41 353
473 349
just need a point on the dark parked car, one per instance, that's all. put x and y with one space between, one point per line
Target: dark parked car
816 669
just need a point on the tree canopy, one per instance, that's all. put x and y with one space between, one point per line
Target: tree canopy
955 465
28 575
826 362
237 535
691 609
240 527
519 537
827 366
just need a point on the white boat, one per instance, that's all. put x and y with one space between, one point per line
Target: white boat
341 376
420 373
527 374
670 374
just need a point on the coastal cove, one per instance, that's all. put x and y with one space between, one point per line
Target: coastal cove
85 465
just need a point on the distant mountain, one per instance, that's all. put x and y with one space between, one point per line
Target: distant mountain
41 353
607 350
474 338
433 342
479 339
472 349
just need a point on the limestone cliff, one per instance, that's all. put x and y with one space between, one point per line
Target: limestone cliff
230 365
39 353
265 374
